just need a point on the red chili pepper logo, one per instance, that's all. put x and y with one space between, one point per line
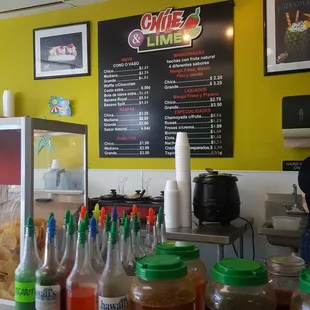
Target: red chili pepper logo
192 20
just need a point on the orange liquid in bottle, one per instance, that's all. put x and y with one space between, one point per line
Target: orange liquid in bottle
200 297
82 298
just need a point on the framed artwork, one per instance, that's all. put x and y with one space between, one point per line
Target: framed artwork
61 51
286 36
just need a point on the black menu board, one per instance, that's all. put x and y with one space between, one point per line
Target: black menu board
165 72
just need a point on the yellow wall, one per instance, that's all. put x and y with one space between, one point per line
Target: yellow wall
257 110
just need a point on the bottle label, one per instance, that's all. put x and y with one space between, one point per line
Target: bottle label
119 303
48 297
25 292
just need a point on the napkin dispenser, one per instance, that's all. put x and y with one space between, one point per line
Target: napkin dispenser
296 121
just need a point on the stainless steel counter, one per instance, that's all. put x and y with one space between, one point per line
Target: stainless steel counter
213 233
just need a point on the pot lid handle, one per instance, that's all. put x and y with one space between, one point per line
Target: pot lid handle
212 171
113 192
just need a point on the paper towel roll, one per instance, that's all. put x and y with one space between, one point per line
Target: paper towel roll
8 104
297 142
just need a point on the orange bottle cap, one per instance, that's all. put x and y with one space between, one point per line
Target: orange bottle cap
151 217
82 213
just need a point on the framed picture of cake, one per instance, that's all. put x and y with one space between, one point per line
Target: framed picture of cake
286 36
61 51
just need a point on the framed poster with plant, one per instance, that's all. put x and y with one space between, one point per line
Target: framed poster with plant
286 36
61 51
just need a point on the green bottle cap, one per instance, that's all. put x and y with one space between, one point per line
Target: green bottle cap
86 220
107 222
113 234
304 281
239 272
184 250
96 212
136 224
70 225
160 267
82 233
126 228
160 215
30 225
67 217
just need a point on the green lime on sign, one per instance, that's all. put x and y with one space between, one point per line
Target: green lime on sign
194 33
25 292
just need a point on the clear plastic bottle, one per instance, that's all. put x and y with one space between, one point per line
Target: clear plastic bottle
101 225
301 297
161 226
50 278
62 236
114 283
25 280
82 282
136 243
122 221
104 246
151 235
127 257
69 256
94 252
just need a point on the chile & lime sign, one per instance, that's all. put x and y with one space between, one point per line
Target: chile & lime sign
165 72
165 30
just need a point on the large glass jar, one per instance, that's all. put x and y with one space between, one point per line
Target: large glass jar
162 283
283 275
239 284
301 297
196 268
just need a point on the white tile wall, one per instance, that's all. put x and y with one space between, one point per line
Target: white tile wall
252 187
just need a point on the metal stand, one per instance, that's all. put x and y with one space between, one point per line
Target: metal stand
219 251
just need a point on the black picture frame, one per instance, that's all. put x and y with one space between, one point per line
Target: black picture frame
62 51
285 25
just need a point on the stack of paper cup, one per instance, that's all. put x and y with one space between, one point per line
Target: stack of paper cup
183 177
171 204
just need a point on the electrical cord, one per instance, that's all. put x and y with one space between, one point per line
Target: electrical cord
253 236
235 250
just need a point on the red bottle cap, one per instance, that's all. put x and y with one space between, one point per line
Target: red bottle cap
102 217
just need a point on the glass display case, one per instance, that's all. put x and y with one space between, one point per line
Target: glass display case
43 169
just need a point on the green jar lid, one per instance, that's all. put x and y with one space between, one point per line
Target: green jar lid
304 281
160 267
184 250
239 272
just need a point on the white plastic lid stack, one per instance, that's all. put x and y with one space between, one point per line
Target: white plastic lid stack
183 177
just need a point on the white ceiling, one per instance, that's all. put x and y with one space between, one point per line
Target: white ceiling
8 5
14 8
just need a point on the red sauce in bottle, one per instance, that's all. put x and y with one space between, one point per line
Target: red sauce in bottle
283 298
